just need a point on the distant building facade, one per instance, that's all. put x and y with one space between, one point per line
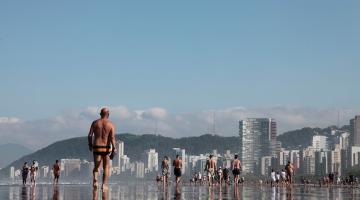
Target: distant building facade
257 139
355 130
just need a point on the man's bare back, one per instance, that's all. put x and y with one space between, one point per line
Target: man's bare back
236 164
103 132
212 164
177 163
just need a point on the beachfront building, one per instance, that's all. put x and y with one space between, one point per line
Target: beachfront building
265 165
151 160
257 139
320 142
70 166
355 130
140 169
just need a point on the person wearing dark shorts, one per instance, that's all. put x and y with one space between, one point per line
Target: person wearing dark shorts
177 168
177 172
236 172
236 169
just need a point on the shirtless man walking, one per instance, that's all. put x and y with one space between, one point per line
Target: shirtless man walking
236 169
56 170
289 172
211 166
177 168
102 146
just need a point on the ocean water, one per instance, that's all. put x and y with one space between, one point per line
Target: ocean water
150 190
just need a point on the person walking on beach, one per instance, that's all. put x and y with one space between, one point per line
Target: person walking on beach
165 169
101 141
56 170
289 172
210 167
236 169
273 177
25 172
177 168
33 171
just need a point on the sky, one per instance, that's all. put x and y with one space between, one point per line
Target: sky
168 66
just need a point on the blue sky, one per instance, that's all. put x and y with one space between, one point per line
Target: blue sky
183 56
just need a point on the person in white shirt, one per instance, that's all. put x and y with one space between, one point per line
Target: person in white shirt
283 176
273 177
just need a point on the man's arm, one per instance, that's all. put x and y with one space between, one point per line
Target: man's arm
112 136
113 142
90 136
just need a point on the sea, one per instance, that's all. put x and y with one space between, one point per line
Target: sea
152 191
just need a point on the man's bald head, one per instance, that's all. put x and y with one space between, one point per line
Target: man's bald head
104 113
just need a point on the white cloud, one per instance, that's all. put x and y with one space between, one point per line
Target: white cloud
39 133
9 120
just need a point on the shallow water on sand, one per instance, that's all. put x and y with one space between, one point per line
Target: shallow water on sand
150 190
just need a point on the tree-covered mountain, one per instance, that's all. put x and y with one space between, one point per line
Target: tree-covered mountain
135 146
303 137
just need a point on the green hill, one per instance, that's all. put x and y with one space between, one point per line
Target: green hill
135 145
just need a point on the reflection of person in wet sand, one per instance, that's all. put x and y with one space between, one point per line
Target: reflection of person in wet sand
236 193
24 194
103 146
56 192
177 192
104 194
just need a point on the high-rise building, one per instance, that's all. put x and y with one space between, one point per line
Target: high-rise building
320 142
307 161
12 172
257 139
120 147
140 169
151 160
265 165
355 130
70 166
344 140
321 163
335 160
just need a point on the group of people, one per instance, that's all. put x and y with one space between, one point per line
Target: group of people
33 169
214 175
33 172
284 177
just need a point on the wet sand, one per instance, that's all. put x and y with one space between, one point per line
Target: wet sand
150 190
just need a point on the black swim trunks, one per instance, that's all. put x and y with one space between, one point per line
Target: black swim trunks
101 150
236 172
177 172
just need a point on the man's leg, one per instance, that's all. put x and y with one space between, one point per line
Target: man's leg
106 171
97 162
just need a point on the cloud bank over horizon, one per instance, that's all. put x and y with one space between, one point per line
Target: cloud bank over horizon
42 132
